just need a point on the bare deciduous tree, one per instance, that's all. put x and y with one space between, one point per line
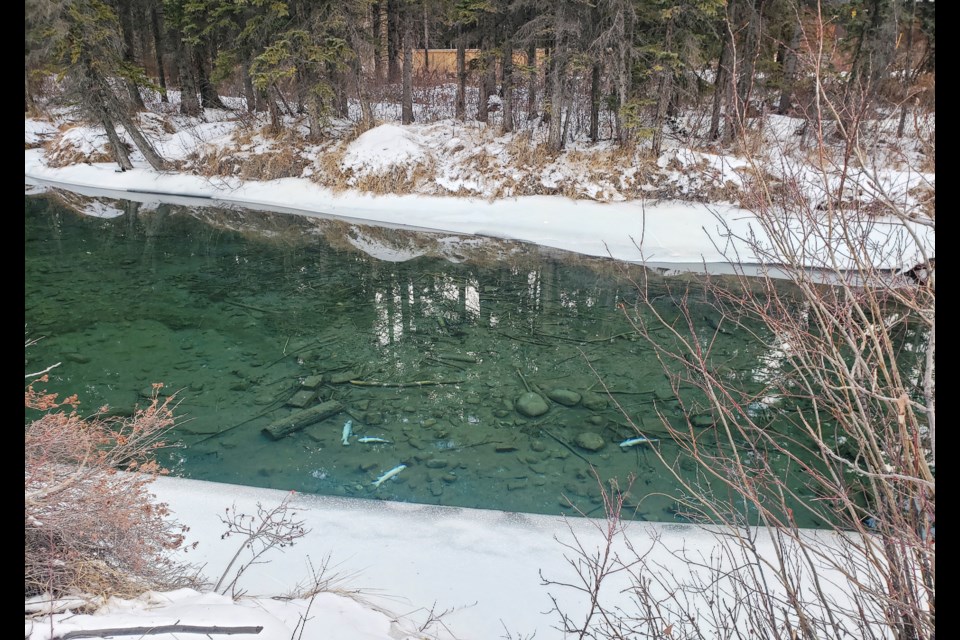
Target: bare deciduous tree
835 428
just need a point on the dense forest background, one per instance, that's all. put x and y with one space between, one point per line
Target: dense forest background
620 70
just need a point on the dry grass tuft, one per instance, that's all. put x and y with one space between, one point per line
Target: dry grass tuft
397 179
328 169
216 162
287 162
63 152
527 154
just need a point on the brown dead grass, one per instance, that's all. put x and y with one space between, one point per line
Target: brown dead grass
217 162
397 179
60 152
287 162
328 170
527 154
282 161
67 155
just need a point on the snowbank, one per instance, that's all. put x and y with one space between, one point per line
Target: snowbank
669 234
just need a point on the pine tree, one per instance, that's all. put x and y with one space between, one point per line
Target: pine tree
83 43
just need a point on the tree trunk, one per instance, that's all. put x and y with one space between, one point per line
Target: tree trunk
407 106
557 86
746 63
461 104
532 82
548 85
789 63
314 121
719 88
143 145
356 68
126 29
28 104
340 82
117 147
97 97
276 120
488 65
189 102
393 41
664 93
248 93
566 111
907 73
595 102
624 73
158 53
301 84
507 87
208 93
875 52
426 40
376 10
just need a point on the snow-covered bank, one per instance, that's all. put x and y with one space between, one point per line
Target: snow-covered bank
483 567
662 234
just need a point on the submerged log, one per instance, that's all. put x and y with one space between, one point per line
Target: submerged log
300 419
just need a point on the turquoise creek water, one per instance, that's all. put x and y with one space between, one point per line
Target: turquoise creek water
250 317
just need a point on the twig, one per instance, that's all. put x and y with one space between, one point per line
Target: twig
444 362
569 448
40 373
271 408
524 381
403 385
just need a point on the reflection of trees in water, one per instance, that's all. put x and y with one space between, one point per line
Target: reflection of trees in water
271 298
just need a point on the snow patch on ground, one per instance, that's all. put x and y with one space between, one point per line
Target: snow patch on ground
383 148
329 615
398 561
36 132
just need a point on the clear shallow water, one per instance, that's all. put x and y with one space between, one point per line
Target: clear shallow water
239 312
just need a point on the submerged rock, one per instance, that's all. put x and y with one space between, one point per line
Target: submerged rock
594 402
514 485
565 397
702 420
532 404
311 382
302 398
590 441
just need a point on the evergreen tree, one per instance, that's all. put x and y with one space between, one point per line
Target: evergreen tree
83 44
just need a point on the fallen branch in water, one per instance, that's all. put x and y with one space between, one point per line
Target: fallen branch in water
524 381
402 385
569 448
